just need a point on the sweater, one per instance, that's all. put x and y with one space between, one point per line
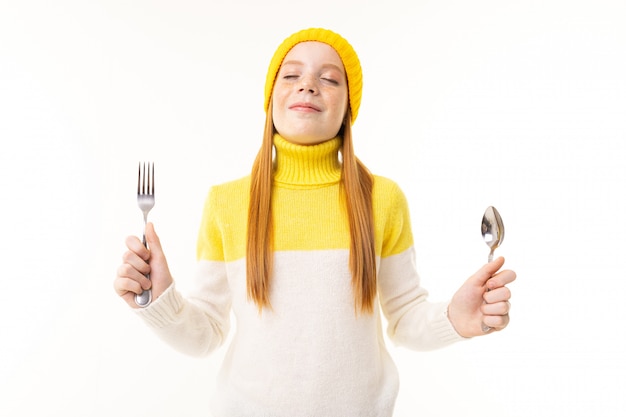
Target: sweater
312 353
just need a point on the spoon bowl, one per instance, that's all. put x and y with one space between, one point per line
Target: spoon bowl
492 229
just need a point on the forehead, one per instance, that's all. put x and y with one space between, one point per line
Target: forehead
314 52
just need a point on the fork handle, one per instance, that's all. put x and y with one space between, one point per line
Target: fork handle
145 298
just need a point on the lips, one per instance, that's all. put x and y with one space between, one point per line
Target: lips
303 106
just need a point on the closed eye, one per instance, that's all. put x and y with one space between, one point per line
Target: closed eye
331 80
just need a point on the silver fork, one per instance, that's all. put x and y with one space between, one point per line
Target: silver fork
145 201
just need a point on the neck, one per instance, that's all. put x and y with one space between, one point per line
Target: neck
307 165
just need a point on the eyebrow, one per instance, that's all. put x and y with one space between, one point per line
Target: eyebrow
296 62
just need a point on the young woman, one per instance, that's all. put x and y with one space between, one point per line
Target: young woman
306 251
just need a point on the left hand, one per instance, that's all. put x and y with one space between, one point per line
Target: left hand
483 298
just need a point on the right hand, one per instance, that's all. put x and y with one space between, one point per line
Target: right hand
482 299
139 261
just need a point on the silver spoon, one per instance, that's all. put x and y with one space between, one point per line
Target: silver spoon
492 230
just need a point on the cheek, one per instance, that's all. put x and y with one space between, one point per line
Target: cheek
346 105
344 101
280 91
278 114
279 100
342 108
276 100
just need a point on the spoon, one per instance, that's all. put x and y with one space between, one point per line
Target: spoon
492 230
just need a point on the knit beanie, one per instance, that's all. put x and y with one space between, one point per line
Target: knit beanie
347 54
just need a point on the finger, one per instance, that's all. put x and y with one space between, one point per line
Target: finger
127 271
127 289
124 286
498 295
496 322
501 279
487 271
132 259
135 245
496 309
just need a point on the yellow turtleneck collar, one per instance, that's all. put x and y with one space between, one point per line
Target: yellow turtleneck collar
307 165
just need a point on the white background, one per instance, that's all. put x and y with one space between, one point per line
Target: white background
516 104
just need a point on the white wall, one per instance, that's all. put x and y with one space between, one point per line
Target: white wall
517 104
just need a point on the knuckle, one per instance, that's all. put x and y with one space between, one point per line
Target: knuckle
117 286
121 270
506 293
121 286
127 255
503 321
125 270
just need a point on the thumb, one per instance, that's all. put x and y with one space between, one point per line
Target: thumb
154 243
159 270
488 270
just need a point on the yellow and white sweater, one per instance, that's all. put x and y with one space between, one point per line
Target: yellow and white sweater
310 355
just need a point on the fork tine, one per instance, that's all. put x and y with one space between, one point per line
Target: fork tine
145 180
139 180
151 191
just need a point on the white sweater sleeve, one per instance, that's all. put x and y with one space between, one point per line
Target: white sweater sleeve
198 324
413 321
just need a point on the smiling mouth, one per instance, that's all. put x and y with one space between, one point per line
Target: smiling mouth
305 107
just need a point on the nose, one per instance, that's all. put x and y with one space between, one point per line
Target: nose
307 85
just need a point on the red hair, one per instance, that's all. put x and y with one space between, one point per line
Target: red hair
357 183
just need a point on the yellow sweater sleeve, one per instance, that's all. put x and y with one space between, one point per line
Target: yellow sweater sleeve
391 215
224 222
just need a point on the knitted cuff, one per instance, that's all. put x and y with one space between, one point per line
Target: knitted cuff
164 310
443 327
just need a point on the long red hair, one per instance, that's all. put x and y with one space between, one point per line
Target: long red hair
357 183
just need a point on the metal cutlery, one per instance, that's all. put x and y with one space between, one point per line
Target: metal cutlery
145 201
492 229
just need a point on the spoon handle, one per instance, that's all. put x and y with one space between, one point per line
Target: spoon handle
484 327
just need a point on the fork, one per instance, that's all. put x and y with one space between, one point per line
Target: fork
145 201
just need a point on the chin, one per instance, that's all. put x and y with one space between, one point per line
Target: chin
305 141
301 138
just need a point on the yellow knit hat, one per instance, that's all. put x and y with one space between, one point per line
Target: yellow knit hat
347 54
